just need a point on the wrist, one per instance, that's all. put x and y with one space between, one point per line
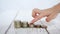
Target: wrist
56 8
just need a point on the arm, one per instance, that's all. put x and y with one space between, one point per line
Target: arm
56 8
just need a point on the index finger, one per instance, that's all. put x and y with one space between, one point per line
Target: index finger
37 18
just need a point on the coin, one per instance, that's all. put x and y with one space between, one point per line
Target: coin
25 24
37 26
31 26
17 24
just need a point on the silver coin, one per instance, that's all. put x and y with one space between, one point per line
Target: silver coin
17 24
24 24
31 26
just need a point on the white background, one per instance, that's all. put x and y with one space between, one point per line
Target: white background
9 8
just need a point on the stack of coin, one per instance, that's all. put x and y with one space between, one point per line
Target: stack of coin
37 26
24 24
31 26
17 24
40 26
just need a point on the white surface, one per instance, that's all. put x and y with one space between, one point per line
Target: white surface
5 20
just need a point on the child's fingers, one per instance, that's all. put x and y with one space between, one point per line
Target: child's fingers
37 18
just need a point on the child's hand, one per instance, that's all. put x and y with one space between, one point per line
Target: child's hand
38 14
49 13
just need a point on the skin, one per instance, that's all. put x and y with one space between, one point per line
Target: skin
50 13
